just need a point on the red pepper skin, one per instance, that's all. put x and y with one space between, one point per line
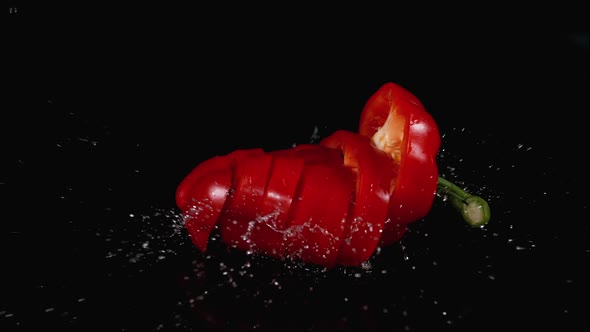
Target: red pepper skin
417 173
329 203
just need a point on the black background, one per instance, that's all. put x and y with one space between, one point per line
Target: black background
108 106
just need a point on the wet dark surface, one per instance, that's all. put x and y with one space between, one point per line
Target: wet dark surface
109 108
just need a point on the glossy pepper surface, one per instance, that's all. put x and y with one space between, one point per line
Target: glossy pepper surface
329 203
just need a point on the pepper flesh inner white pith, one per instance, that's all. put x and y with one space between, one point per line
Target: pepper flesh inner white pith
390 136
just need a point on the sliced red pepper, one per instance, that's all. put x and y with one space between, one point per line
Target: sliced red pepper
398 124
331 203
402 176
374 177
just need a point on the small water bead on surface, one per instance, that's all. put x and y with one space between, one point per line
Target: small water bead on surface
366 265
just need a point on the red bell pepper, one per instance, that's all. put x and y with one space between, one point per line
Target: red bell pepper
329 203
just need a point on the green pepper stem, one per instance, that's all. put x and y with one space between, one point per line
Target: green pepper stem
474 209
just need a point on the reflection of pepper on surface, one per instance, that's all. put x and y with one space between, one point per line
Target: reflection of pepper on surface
329 203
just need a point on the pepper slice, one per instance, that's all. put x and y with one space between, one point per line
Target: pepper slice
208 194
183 199
243 208
203 193
183 192
374 177
317 218
398 124
342 186
270 230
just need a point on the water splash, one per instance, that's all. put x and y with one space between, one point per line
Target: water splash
146 238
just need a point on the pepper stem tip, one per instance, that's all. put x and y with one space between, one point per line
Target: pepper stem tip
474 209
